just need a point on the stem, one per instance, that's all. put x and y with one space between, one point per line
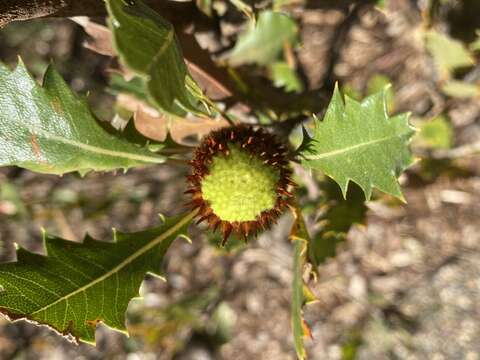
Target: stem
300 238
224 114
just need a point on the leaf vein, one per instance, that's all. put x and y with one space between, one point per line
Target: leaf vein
168 40
347 149
30 281
123 264
98 150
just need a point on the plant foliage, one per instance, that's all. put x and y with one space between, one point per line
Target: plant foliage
147 44
49 129
357 141
263 42
76 286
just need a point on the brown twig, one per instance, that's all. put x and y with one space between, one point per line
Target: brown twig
181 14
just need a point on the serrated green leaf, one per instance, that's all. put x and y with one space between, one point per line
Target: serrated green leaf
448 54
263 42
147 44
76 286
51 130
358 142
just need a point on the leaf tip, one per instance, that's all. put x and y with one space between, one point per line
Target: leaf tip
21 63
306 140
367 190
307 332
186 238
336 87
158 276
343 186
400 196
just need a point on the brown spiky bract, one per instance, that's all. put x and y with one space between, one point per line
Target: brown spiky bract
258 143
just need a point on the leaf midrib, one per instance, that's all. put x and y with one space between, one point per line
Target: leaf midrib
167 42
98 150
350 148
124 263
161 51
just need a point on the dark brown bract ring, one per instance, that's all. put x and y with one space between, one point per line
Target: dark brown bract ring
240 181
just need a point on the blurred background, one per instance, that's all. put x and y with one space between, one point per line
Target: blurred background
405 283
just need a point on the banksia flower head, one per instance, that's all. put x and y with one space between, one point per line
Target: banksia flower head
240 181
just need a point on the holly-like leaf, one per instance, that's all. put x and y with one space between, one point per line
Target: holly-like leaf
77 285
358 142
263 42
147 44
51 130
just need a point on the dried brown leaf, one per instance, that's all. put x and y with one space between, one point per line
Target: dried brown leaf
155 125
151 123
100 40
